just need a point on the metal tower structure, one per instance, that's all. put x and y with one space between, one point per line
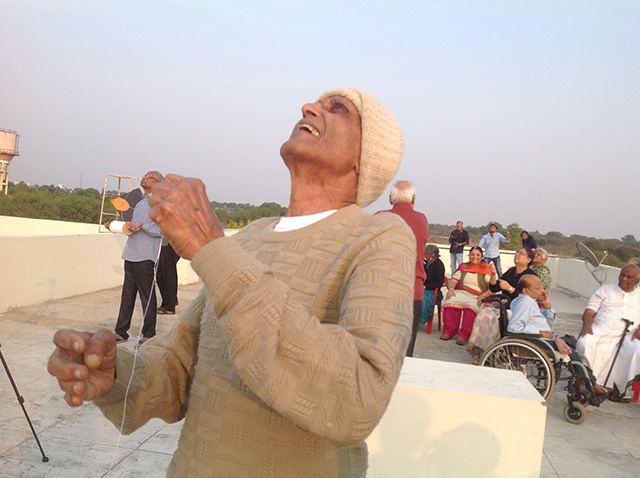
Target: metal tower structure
8 150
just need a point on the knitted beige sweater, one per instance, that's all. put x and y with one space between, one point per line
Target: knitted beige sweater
286 360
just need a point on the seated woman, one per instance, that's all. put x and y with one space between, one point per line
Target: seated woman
508 285
528 241
542 271
466 289
486 328
434 268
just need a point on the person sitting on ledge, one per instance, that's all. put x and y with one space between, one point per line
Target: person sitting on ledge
528 242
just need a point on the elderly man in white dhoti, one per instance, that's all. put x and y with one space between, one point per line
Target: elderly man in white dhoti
602 329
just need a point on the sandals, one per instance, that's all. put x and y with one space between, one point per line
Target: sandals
459 340
120 339
141 342
162 310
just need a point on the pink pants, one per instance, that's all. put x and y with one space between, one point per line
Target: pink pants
451 318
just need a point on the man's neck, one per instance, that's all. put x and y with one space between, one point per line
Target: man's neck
313 197
402 205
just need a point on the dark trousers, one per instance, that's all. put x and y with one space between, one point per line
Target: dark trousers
417 313
575 356
138 278
167 277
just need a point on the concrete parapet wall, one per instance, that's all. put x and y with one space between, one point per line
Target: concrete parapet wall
40 268
452 420
573 275
23 226
50 265
45 260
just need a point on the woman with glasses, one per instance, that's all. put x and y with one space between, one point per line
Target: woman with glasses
508 284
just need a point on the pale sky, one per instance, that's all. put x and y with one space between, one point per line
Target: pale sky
511 111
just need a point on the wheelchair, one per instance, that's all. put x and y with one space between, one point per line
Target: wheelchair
541 364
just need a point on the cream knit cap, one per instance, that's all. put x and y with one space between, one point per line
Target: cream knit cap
381 147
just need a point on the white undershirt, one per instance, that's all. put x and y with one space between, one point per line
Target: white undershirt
298 222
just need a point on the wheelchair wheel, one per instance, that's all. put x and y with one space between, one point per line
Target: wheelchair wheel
526 357
575 414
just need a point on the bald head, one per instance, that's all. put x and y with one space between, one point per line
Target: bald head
629 277
402 191
531 285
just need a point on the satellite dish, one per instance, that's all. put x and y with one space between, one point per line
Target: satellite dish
590 259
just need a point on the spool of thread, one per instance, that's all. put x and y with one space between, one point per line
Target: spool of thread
121 227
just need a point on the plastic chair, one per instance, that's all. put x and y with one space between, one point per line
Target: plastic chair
438 304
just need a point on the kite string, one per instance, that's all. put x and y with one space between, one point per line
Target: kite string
130 117
135 359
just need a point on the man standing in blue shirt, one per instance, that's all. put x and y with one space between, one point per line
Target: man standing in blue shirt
140 255
491 243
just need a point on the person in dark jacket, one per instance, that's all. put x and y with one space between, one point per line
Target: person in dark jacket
528 241
434 269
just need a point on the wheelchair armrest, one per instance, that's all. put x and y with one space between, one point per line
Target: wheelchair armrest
522 336
495 298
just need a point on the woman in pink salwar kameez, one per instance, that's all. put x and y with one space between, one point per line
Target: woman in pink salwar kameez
466 289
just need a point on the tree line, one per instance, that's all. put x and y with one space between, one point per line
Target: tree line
620 251
83 205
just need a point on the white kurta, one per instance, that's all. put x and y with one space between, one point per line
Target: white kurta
612 304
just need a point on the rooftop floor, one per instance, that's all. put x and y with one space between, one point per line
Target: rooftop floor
81 443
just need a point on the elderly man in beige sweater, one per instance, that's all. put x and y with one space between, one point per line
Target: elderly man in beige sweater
286 360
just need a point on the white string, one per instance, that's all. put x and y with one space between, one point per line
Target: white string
135 359
130 117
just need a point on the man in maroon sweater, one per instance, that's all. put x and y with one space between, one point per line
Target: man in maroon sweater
403 198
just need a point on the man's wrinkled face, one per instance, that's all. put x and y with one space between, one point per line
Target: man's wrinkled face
628 278
329 134
459 225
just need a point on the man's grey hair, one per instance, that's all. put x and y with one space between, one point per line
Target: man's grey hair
433 250
545 254
402 193
159 175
